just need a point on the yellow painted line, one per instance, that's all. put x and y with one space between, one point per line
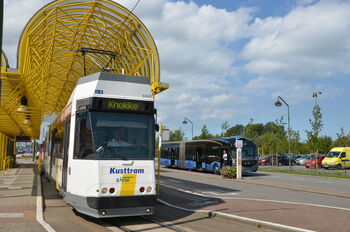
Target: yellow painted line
128 185
57 165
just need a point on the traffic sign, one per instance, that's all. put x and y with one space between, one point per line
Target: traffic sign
239 143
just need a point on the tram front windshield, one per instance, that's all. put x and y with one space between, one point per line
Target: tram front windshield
248 152
117 136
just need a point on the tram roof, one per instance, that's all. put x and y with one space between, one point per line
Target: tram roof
231 139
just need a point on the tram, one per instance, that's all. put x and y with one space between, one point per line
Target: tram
206 155
100 150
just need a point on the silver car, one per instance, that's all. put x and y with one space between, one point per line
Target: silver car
302 160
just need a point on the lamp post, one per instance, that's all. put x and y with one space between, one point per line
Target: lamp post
185 121
278 104
315 95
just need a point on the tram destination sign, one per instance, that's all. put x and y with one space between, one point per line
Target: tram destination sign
122 105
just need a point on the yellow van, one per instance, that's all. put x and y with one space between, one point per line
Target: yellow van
338 157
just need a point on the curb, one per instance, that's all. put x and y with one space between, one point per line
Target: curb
254 222
40 207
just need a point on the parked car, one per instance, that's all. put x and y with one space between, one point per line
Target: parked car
301 160
265 160
311 163
283 160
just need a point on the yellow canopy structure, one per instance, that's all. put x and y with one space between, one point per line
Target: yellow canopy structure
65 40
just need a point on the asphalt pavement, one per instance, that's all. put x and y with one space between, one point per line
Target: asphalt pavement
276 203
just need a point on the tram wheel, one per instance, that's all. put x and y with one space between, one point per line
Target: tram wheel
216 169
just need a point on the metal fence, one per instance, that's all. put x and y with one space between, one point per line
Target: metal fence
303 169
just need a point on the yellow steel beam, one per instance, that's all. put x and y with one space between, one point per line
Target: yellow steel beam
50 63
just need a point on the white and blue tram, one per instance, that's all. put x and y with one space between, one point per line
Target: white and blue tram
100 150
207 154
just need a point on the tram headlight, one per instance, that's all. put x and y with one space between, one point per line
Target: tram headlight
149 189
104 190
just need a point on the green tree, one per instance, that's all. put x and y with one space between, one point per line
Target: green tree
253 131
295 142
316 127
204 134
275 128
265 143
237 130
325 144
177 135
224 127
342 139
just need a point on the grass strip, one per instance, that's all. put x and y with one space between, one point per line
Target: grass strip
338 175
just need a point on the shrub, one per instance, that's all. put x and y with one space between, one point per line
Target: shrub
228 172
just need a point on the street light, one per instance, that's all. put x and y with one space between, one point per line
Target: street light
315 95
278 104
185 121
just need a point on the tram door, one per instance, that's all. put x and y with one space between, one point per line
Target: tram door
172 159
174 153
200 157
65 154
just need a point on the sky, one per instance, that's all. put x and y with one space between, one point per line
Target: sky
230 60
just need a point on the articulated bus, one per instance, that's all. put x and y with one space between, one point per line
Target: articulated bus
100 150
206 155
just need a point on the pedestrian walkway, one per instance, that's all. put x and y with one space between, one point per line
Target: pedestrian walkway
18 198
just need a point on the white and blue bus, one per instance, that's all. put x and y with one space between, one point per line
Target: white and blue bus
207 155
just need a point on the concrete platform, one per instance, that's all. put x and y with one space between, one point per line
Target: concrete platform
18 194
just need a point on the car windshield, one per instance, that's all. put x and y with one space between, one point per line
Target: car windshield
102 135
333 154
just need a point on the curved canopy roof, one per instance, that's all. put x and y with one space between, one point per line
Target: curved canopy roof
68 39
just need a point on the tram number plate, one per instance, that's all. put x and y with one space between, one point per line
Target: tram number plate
123 179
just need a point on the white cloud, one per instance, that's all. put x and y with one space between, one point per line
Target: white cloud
16 16
212 78
310 42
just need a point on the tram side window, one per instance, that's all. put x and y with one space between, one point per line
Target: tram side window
175 153
57 137
213 154
165 153
83 147
190 152
249 152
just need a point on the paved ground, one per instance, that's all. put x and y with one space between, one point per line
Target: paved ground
18 199
301 215
18 206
